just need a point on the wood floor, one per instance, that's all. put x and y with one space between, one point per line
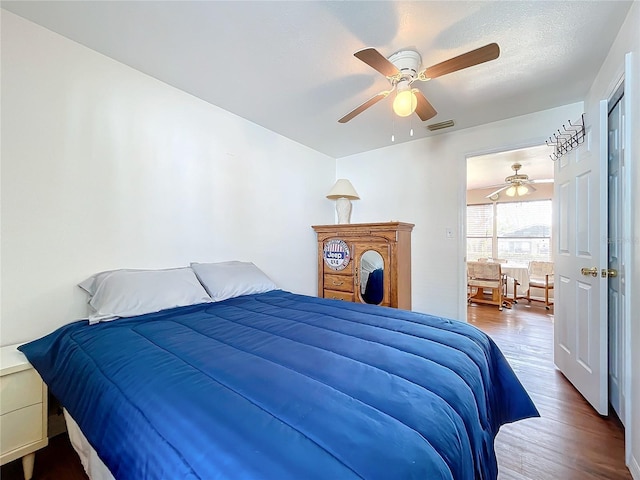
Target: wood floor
569 442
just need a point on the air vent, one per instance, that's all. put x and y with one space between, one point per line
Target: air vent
441 125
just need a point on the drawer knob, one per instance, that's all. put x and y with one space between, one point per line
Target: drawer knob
337 283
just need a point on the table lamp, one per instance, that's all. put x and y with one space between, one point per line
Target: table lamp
343 192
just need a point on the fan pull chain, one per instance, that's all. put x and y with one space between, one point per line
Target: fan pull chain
411 126
393 128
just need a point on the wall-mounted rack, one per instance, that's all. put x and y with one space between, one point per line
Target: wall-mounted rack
568 139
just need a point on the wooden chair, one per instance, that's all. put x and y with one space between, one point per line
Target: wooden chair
540 276
485 275
497 260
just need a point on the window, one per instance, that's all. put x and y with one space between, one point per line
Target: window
517 231
479 231
524 231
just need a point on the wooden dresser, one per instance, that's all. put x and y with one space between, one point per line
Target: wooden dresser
365 262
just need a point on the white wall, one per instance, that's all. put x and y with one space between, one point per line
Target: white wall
628 40
424 182
104 167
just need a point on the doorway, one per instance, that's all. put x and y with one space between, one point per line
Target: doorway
509 200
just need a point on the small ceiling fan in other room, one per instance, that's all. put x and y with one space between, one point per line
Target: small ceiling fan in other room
402 69
517 185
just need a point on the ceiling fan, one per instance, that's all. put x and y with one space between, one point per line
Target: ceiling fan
403 68
517 185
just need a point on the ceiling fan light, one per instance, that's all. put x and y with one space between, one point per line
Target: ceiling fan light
517 191
405 103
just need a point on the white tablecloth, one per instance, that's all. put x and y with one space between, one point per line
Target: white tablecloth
518 271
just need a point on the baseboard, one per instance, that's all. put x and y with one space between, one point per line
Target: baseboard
634 467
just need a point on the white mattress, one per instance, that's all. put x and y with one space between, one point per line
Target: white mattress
93 466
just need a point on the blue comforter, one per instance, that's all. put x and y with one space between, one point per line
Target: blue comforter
284 386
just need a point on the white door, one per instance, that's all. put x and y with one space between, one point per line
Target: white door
616 309
580 251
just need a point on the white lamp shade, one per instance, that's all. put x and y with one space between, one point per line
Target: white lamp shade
343 189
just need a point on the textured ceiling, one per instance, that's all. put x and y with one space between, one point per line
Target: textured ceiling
289 66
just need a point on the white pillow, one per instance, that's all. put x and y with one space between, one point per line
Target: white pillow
127 293
231 279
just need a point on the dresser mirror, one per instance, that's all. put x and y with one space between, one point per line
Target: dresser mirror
372 277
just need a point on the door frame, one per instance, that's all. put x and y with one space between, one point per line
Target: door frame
625 79
629 98
462 214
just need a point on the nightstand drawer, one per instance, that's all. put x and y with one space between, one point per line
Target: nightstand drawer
21 427
19 390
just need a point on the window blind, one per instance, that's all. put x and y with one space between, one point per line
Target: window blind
479 231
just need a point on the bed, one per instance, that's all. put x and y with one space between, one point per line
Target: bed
275 385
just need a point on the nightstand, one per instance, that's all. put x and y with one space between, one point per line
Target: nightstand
23 410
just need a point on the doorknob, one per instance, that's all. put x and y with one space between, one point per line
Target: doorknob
589 271
609 272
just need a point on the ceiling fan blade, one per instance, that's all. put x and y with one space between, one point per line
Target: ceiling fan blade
361 108
377 61
497 191
531 187
542 180
469 59
424 109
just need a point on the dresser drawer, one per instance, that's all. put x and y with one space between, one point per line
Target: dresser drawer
20 389
346 296
344 283
21 427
